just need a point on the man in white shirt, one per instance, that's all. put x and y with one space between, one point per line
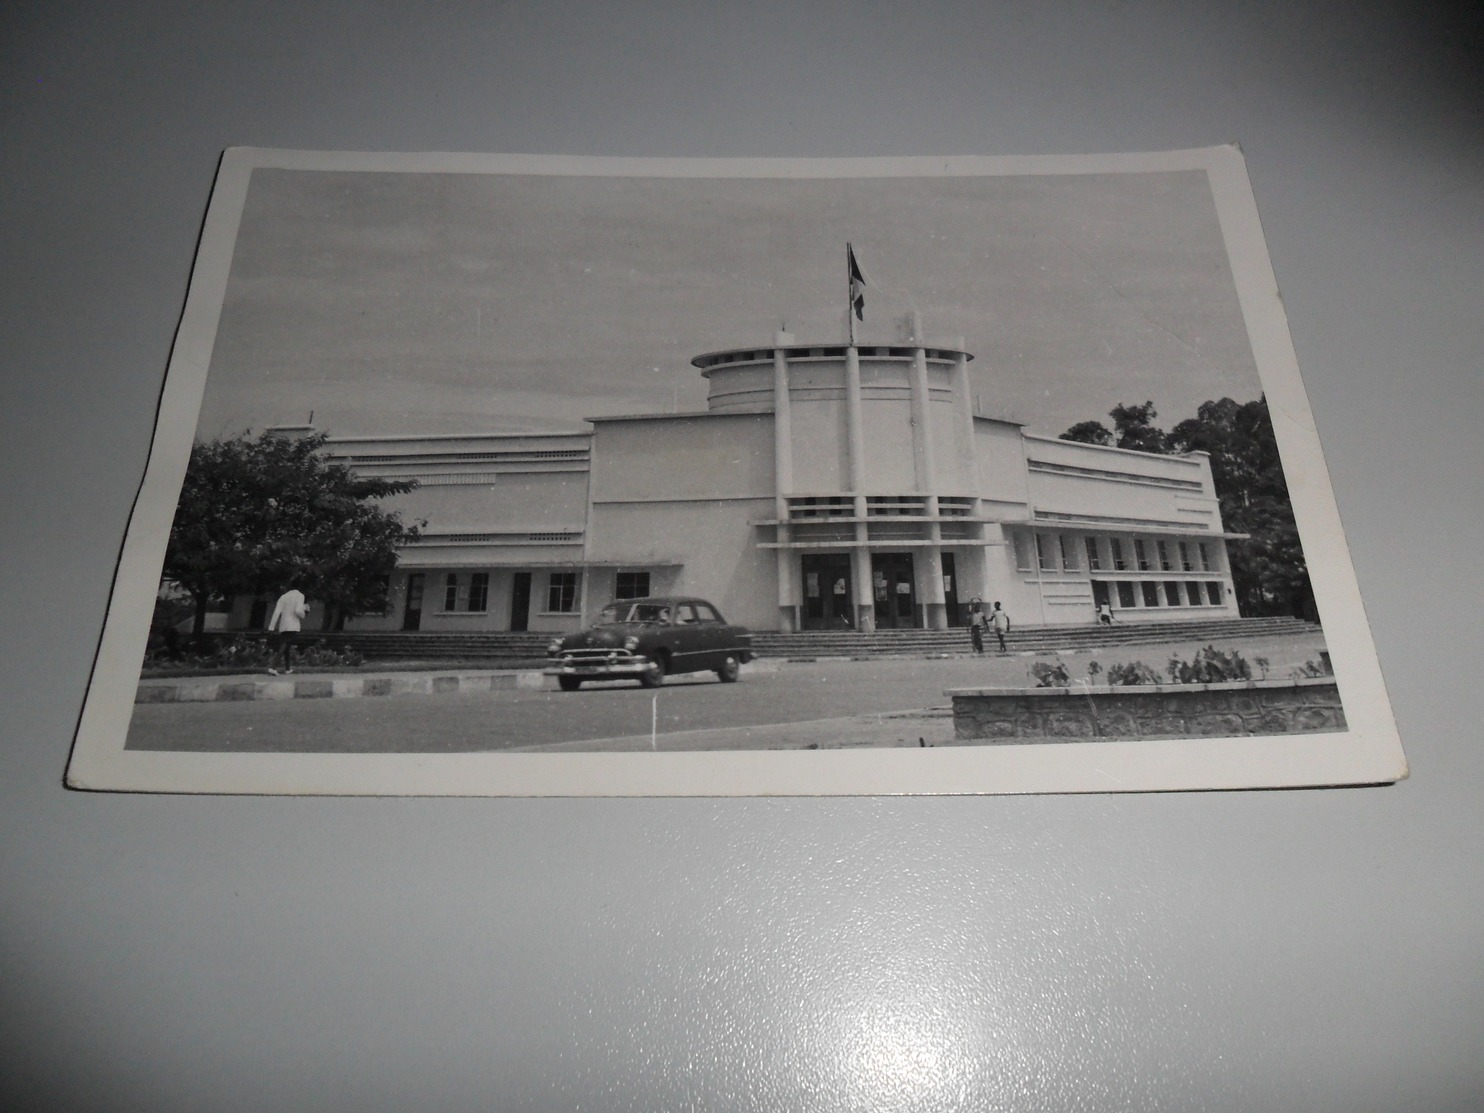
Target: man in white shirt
287 615
999 620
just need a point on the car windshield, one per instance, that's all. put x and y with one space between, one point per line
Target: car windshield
634 612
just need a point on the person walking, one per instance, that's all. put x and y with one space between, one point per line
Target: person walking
1000 621
977 625
1105 613
287 617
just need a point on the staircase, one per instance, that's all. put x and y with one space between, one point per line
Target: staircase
530 647
1040 638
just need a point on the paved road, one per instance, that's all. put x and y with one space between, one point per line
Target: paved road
502 720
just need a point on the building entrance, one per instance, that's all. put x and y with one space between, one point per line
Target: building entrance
412 615
826 590
950 592
893 591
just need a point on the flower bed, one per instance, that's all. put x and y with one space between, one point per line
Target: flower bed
1232 709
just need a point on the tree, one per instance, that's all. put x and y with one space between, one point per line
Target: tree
1269 572
1133 429
258 515
1091 431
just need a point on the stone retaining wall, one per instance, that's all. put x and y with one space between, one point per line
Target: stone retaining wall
1241 709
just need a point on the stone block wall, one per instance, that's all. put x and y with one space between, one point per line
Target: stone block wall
1241 709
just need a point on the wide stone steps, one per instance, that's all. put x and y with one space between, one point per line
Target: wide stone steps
531 646
1047 638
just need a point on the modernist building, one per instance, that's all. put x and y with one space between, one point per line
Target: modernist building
824 486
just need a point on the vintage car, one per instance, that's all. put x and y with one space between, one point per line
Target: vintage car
648 638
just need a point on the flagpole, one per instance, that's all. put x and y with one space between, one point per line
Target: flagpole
849 296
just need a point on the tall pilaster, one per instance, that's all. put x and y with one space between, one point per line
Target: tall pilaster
783 483
930 584
860 557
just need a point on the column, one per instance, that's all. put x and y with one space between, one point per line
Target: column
783 483
930 584
860 555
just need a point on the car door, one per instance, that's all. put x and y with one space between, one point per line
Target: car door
714 637
688 638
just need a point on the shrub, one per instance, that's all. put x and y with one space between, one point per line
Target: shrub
1051 674
1137 673
253 653
1210 666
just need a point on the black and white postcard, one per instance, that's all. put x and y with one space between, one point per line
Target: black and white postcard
533 475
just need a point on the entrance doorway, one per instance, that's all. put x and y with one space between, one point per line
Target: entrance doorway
893 591
520 601
412 616
827 590
950 592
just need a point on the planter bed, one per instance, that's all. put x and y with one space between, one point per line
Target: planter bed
1241 709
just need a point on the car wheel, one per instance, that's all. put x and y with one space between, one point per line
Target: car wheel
654 674
730 670
568 683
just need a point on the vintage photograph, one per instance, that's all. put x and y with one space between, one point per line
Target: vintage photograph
540 476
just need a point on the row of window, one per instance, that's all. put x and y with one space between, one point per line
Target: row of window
470 593
1051 552
1158 595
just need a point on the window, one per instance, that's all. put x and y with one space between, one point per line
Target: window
1164 555
451 593
632 583
479 592
1213 592
561 593
1172 593
1068 552
1126 595
685 614
1151 593
1022 550
706 614
1116 545
1093 562
1185 563
1044 553
1194 589
1205 557
1141 554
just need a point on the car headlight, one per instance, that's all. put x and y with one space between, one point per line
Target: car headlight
631 643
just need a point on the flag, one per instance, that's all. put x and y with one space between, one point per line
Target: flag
857 284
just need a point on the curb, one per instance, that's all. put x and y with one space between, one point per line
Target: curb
350 686
353 686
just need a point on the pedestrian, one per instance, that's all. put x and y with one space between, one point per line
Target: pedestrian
1000 620
1105 613
287 615
977 625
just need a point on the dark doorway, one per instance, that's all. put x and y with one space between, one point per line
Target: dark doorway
894 591
412 616
950 592
1100 595
258 618
826 591
520 601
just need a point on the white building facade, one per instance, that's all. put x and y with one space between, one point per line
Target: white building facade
825 486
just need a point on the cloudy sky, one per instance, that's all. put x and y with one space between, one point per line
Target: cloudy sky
409 303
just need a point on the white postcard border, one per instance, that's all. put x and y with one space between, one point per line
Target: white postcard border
1368 752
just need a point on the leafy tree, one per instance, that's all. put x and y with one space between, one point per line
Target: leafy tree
258 515
1133 429
1269 574
1090 431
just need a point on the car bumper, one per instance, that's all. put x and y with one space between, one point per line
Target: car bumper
623 665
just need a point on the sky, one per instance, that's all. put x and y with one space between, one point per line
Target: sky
407 303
